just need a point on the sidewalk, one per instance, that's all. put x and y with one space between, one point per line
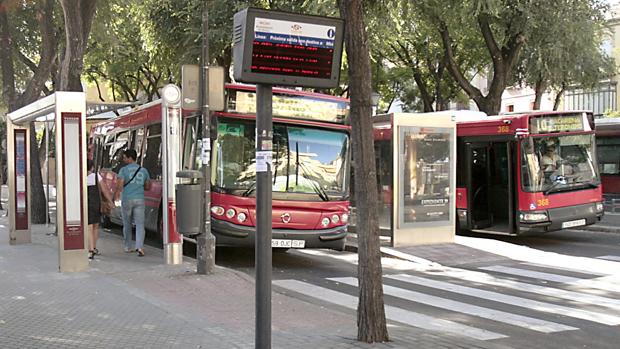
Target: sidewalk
128 302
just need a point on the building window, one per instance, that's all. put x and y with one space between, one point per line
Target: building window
510 108
598 100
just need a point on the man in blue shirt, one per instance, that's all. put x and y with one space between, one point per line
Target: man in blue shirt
132 181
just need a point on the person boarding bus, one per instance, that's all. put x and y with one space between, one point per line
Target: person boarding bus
132 181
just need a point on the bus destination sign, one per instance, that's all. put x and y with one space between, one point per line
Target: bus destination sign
557 123
296 107
287 49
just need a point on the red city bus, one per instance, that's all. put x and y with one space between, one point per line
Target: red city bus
607 150
527 173
516 174
311 165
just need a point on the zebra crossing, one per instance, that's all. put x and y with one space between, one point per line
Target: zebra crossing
484 303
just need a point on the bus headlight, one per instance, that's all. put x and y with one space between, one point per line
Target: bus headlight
230 213
344 218
599 207
335 219
325 222
531 217
241 217
217 210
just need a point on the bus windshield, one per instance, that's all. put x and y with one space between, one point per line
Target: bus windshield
558 163
305 160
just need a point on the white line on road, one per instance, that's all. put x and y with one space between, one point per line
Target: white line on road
531 255
610 258
392 313
609 283
484 278
512 300
531 274
495 315
565 268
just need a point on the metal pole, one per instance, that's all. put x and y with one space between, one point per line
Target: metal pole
47 171
164 181
264 142
205 241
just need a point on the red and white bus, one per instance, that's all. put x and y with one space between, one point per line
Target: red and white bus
516 174
311 165
608 150
527 173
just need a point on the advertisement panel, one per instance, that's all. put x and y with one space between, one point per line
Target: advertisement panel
21 194
72 169
425 194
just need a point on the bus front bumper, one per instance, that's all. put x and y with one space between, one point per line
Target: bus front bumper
564 218
229 234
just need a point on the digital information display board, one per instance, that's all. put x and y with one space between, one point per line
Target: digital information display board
281 48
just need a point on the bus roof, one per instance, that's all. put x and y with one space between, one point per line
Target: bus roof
517 123
281 90
607 122
151 112
607 126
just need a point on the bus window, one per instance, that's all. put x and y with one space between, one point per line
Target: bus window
116 152
152 151
608 160
234 156
137 137
108 142
190 144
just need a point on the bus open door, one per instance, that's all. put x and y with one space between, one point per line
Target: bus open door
490 189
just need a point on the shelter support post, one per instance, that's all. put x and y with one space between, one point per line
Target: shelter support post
71 197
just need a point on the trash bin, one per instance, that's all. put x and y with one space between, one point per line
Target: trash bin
189 201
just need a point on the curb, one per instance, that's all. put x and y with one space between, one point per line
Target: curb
601 228
389 252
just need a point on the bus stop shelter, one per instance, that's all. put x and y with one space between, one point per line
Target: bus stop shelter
69 114
416 170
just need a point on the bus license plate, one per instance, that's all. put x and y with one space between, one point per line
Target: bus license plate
284 243
576 223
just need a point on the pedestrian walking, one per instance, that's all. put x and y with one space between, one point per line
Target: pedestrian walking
95 191
132 181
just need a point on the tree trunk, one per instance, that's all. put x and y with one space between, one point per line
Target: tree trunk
37 197
427 99
8 80
504 59
491 104
6 59
78 19
539 89
371 323
32 92
441 103
558 98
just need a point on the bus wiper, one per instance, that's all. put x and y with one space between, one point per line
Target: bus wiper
576 185
250 189
553 187
315 186
587 185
